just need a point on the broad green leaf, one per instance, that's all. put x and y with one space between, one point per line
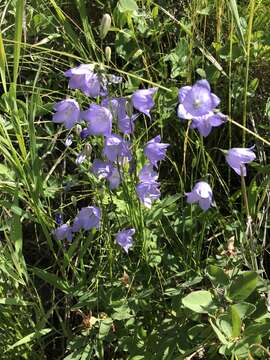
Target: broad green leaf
236 321
219 334
128 5
224 323
105 326
245 309
217 275
243 286
30 337
199 301
13 301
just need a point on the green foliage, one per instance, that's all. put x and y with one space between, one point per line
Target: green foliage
194 284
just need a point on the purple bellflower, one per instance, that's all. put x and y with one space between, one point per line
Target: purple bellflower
63 232
102 169
87 218
116 148
148 192
67 112
114 178
99 120
238 157
155 151
148 174
82 77
202 194
205 123
196 100
142 100
124 238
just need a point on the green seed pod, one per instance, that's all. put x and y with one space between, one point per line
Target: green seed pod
105 25
108 53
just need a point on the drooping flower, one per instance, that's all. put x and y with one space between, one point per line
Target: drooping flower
202 194
67 112
124 238
142 100
59 219
102 169
116 147
126 124
82 77
68 141
80 158
88 218
148 174
155 151
238 157
205 123
114 178
117 106
99 120
63 232
148 192
196 100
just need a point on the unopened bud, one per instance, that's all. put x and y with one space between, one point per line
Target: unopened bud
87 149
78 129
108 53
105 25
129 108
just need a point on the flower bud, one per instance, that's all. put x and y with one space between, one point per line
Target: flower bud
78 129
87 149
108 53
105 25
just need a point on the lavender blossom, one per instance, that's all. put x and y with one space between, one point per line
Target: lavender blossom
196 100
148 174
202 194
88 218
116 148
68 141
142 100
102 169
114 178
67 112
80 158
237 157
205 123
124 238
99 120
82 77
148 192
155 151
63 232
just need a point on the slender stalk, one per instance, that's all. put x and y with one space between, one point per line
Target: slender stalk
249 35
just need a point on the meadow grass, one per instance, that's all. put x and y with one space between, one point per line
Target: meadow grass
194 285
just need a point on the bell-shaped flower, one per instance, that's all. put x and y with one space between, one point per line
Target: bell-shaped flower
116 148
82 77
124 238
142 100
102 169
205 123
238 157
196 100
155 151
67 112
99 120
88 218
114 178
201 194
148 192
148 174
63 232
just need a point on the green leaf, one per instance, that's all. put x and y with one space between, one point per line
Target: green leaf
243 286
13 301
30 337
105 326
217 275
52 279
236 321
245 309
199 301
128 5
219 334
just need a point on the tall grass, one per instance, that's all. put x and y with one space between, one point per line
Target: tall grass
87 300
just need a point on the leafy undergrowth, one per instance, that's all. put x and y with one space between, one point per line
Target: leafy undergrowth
134 179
